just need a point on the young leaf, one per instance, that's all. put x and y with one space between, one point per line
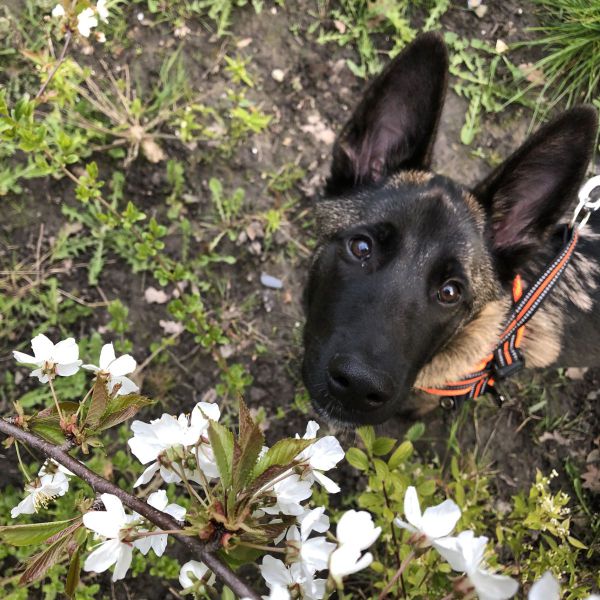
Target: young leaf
73 574
383 445
98 403
40 563
282 453
221 441
402 452
122 408
29 535
250 443
367 435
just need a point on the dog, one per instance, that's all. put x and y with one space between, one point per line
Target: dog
410 282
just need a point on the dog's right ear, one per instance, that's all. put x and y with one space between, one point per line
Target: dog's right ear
394 125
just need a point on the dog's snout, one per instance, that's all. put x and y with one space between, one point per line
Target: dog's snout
356 384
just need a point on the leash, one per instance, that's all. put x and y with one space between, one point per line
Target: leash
507 358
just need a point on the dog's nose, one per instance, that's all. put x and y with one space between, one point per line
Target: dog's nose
357 385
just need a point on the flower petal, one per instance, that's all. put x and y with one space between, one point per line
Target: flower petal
122 366
147 475
412 509
274 572
42 347
193 567
66 352
439 521
105 555
65 370
127 386
123 561
26 359
330 486
546 588
490 586
107 355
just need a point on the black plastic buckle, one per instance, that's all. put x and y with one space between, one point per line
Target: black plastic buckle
506 371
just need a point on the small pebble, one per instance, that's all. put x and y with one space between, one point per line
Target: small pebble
278 75
270 281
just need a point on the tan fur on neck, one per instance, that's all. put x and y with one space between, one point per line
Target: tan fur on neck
469 347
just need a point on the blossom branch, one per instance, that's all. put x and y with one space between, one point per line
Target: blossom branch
159 518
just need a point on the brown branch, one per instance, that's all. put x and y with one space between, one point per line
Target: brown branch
159 518
59 62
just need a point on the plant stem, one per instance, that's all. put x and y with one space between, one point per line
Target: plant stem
159 518
21 465
397 575
259 547
59 62
60 415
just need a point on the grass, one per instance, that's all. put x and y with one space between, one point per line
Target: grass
569 38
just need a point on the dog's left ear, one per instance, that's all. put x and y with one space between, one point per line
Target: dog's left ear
528 194
394 125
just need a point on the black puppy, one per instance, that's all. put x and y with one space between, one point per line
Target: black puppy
410 283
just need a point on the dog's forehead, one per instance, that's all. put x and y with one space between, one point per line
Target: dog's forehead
413 200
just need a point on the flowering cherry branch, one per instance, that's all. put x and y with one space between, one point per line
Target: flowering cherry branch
159 518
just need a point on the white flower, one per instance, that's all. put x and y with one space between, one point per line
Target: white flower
115 369
58 11
356 528
278 576
278 593
355 532
102 10
51 359
321 456
41 492
289 492
465 553
347 560
436 522
314 552
150 440
548 588
198 570
158 542
114 525
86 21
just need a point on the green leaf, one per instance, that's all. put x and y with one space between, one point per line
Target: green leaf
415 432
383 445
575 542
251 441
28 535
358 459
98 403
73 574
282 453
402 452
221 441
47 428
367 435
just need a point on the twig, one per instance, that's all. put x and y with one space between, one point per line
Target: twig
159 518
63 53
396 576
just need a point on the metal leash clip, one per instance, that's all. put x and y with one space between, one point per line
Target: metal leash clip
586 202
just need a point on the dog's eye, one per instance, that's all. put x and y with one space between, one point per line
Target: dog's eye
449 293
360 246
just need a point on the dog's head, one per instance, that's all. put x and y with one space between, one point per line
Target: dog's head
411 275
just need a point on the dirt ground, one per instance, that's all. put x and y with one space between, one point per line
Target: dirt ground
310 105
